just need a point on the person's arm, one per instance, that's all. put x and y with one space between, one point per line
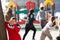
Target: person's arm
34 17
46 15
37 17
53 27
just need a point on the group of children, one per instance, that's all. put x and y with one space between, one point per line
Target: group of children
13 28
46 30
47 23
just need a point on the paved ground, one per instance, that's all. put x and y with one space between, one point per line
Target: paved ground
54 33
38 33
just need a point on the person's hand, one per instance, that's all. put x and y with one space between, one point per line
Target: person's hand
18 26
12 21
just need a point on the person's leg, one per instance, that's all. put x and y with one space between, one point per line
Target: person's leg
43 23
34 29
42 36
26 32
49 35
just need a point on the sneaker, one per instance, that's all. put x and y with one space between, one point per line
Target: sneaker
58 38
33 39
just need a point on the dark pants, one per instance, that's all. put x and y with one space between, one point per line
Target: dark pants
29 27
43 23
58 38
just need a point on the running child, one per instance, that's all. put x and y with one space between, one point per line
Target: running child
46 29
29 25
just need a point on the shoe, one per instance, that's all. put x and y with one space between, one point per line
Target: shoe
33 39
58 38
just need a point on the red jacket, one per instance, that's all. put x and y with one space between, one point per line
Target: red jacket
30 5
13 33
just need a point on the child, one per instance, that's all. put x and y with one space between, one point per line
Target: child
46 29
29 25
13 29
42 15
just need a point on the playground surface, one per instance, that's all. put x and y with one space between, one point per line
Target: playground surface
54 34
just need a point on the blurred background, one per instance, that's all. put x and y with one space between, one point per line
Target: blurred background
21 5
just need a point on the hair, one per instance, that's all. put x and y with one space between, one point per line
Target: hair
11 6
42 8
52 19
12 18
31 11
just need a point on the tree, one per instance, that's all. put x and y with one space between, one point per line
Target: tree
2 25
